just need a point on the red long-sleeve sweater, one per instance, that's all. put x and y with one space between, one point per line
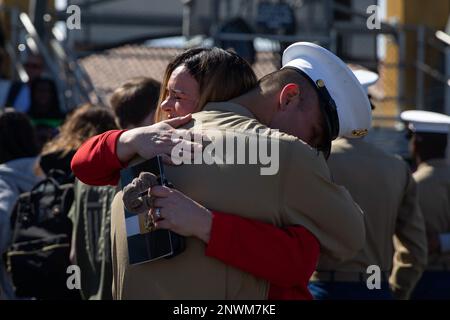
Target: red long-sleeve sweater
286 257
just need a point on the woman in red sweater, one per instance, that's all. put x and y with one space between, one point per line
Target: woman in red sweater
284 257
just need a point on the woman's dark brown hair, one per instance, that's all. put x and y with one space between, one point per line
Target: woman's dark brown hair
17 136
221 75
85 122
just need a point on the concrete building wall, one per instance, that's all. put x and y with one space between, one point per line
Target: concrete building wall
106 33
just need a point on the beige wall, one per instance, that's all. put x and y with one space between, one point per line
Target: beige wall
432 13
110 34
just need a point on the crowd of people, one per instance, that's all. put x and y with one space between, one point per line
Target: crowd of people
38 98
337 206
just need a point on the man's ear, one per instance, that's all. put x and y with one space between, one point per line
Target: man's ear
288 94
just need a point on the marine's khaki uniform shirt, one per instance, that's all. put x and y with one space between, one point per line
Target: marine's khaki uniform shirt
433 181
384 188
301 193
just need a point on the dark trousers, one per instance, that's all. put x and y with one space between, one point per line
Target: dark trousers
335 290
434 285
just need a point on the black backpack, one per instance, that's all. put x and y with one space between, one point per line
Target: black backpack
39 254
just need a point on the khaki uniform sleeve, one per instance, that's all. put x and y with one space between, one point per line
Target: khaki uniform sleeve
327 210
410 243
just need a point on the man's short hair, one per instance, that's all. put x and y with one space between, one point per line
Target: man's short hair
280 78
277 80
133 101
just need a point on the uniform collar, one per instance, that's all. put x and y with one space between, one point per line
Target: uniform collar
229 107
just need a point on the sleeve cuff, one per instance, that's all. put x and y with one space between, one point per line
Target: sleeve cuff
111 146
444 238
220 236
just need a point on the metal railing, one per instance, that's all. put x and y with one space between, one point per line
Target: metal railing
398 35
76 87
428 40
73 84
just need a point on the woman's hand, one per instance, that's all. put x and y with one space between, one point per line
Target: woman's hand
157 139
179 213
169 208
136 197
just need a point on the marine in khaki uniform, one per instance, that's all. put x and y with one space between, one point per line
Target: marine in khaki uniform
383 186
429 143
300 193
